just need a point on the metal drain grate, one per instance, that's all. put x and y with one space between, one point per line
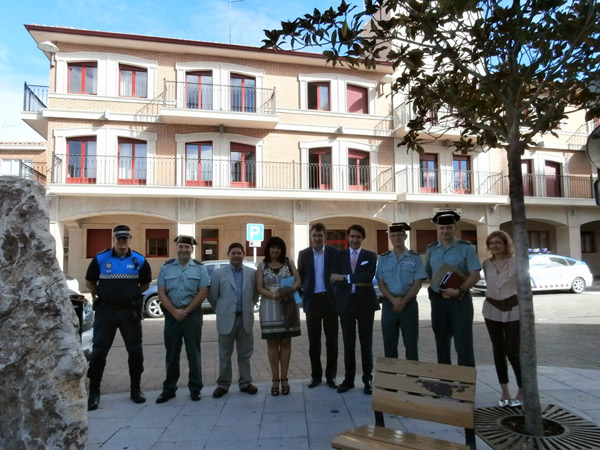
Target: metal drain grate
578 433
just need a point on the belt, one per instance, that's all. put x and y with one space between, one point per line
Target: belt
319 294
363 284
239 313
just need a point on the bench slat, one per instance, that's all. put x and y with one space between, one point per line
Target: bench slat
424 386
372 437
425 408
422 368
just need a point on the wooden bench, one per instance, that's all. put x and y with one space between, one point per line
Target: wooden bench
427 391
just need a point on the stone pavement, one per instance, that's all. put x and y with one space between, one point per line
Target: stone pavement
309 418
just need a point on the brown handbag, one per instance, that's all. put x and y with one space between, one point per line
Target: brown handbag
504 305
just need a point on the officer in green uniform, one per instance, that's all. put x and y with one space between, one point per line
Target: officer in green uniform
452 308
182 287
400 274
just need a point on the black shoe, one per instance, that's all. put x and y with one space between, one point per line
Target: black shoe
219 392
346 385
137 396
368 390
314 382
331 383
195 396
165 397
93 400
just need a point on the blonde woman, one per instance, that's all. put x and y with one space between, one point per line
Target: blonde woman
501 311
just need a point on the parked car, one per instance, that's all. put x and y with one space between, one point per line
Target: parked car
152 307
553 273
85 315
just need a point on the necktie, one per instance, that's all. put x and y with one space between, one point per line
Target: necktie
353 260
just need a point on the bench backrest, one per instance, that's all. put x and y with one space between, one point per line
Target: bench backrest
440 393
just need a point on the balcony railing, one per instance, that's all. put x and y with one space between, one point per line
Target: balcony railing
223 174
218 97
562 186
440 181
35 98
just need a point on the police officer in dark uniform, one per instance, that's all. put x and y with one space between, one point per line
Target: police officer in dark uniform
452 308
117 277
400 274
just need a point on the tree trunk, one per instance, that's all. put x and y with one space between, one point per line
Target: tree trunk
528 354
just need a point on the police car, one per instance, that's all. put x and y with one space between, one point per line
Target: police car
152 307
553 273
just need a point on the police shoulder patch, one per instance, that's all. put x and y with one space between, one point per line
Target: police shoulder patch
433 243
169 261
386 253
412 252
464 242
104 251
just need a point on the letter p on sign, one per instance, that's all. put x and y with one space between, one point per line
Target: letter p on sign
255 232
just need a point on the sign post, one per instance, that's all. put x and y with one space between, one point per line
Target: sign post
255 234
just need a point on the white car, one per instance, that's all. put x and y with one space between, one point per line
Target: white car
553 273
152 307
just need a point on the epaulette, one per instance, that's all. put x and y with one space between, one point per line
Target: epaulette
168 261
464 242
104 251
386 253
433 243
197 262
412 252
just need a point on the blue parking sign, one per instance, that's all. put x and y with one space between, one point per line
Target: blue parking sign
255 232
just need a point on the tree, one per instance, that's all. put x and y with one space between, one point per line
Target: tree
507 72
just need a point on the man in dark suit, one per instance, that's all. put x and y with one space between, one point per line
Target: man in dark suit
356 303
314 266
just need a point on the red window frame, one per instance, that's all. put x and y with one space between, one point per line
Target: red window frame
318 96
538 239
552 174
358 171
243 165
428 173
81 166
527 174
199 90
135 73
243 96
462 174
157 242
588 242
319 168
357 99
203 165
84 68
137 162
337 239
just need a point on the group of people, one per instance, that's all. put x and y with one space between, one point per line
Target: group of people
336 289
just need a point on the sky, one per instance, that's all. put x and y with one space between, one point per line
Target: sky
21 61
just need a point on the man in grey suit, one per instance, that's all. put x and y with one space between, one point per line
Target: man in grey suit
233 296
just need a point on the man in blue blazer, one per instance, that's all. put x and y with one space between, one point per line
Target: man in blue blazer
233 296
356 303
314 266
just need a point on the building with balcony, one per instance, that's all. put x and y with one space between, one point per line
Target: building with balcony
174 136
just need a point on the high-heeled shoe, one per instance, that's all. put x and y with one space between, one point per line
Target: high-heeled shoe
274 388
503 403
285 390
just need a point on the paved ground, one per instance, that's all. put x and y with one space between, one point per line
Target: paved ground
567 339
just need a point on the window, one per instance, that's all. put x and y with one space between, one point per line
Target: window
17 167
133 81
424 238
209 242
538 240
81 160
132 161
83 78
157 242
319 168
97 240
469 236
199 164
243 93
357 99
243 165
462 174
588 244
428 175
337 239
199 90
358 170
318 96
